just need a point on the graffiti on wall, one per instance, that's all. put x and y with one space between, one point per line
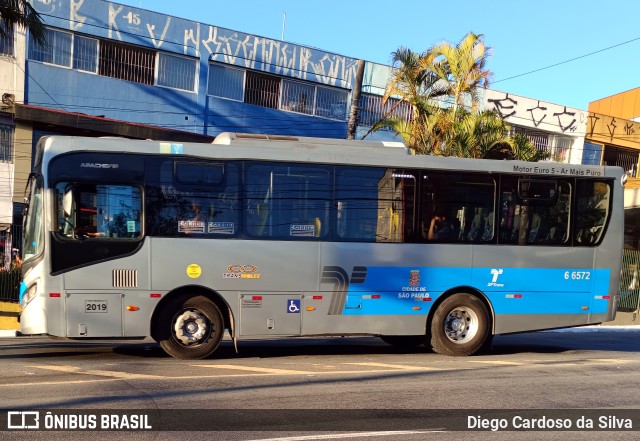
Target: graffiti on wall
208 42
611 130
536 114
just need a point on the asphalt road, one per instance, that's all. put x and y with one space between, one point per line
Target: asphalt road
342 388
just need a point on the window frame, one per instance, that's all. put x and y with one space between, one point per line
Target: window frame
294 105
77 190
332 89
35 46
96 54
319 229
7 44
230 68
196 65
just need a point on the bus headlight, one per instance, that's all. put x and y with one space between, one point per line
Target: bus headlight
29 294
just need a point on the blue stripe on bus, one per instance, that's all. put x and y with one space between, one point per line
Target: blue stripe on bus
389 290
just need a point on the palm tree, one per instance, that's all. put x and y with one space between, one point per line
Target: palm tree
477 135
408 82
423 80
21 13
523 149
461 70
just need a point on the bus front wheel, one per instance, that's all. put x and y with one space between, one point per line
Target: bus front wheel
189 327
460 326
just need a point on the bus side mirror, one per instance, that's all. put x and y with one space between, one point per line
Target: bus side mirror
67 200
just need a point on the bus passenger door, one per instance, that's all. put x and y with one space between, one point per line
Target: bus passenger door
94 314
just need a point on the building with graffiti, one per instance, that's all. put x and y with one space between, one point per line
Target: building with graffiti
117 70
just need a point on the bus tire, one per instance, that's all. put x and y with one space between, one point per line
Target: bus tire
460 326
189 327
404 341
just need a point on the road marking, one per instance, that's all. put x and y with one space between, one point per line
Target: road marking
55 383
261 370
397 366
613 360
99 373
499 362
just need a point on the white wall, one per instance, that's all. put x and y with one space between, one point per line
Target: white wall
6 192
12 68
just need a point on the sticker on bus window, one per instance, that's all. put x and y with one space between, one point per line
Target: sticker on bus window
191 227
168 147
302 230
221 228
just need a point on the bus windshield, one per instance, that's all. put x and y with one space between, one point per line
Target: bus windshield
33 243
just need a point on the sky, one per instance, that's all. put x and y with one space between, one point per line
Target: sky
558 51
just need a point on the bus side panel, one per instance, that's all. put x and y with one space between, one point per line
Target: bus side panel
381 288
609 255
98 314
552 287
97 296
262 281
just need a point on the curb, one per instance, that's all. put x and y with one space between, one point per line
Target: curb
8 333
598 328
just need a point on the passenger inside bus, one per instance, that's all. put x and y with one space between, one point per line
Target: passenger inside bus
440 228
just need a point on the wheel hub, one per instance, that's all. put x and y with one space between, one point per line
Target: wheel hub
461 325
191 327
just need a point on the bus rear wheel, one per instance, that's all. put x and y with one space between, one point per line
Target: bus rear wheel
460 326
189 327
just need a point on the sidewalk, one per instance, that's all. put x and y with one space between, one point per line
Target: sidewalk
9 319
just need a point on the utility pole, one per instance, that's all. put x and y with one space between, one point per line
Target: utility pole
284 22
354 111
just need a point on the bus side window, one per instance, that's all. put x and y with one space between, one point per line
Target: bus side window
65 209
288 202
465 200
592 211
534 222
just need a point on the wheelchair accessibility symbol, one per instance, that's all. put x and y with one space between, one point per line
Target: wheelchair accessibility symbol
294 306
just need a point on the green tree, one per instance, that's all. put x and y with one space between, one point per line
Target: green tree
21 13
523 149
427 82
460 69
408 82
477 135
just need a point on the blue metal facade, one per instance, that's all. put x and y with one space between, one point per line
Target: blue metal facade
96 93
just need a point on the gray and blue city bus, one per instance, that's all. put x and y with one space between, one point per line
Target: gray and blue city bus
263 236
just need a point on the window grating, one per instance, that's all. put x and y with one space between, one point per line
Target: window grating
298 97
127 62
6 42
85 53
562 148
625 158
541 140
262 90
331 103
6 143
372 110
